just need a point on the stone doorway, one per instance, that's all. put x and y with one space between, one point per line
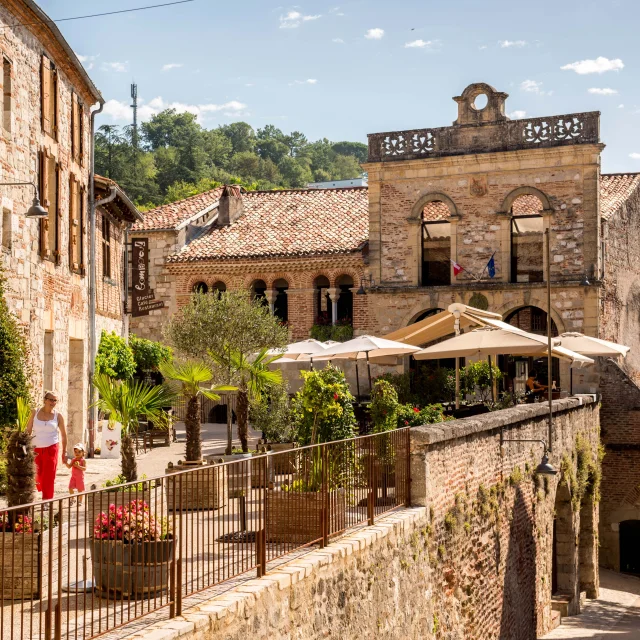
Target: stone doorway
76 393
588 547
630 547
564 565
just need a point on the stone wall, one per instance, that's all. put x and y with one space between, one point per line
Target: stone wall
620 417
472 559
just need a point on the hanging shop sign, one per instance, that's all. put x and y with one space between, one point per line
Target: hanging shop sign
142 296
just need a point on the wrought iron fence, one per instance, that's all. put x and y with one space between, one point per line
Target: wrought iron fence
71 569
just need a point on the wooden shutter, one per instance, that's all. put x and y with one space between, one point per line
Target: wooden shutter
58 217
55 104
44 198
46 90
80 134
81 232
74 262
74 124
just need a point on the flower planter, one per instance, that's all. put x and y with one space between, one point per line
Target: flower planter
261 477
98 503
296 516
140 569
28 565
283 464
206 488
238 475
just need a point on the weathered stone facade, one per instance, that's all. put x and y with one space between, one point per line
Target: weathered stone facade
48 292
472 559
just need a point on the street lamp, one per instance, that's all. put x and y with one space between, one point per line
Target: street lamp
36 210
369 281
545 468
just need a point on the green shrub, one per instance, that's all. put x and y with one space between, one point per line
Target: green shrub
475 380
323 405
402 384
271 414
3 476
411 416
115 357
13 362
148 354
337 332
384 406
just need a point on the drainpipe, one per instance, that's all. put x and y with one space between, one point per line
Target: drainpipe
92 282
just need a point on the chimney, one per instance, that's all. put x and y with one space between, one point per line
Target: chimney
231 206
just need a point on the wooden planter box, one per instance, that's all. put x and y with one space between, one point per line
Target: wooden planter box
238 475
137 570
25 573
258 473
283 464
296 516
199 490
97 503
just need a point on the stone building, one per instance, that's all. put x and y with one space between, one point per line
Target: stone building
46 140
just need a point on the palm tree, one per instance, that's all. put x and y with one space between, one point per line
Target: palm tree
20 459
189 376
125 401
252 379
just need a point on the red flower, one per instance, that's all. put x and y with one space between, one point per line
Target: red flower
335 396
416 410
406 422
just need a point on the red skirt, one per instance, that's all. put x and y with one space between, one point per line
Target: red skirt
46 467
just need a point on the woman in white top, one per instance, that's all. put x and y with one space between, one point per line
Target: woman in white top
47 427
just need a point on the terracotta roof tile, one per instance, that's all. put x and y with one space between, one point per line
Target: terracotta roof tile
435 211
169 216
615 188
526 204
287 223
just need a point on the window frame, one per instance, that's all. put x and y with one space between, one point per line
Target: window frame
7 98
423 228
106 246
513 267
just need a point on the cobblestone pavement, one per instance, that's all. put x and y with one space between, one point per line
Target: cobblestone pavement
615 614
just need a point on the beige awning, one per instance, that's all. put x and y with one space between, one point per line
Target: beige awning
589 346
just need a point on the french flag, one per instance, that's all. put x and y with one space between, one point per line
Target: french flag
456 268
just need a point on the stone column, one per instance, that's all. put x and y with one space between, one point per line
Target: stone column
270 296
334 295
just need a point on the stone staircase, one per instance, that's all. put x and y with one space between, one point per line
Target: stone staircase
562 604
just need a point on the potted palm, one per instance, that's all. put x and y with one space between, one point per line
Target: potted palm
125 401
207 488
131 551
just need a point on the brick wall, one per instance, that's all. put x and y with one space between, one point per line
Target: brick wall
620 417
44 295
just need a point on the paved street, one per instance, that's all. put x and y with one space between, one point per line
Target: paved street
614 615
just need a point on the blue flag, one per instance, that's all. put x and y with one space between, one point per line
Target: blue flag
491 267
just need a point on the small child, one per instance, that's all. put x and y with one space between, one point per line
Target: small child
78 466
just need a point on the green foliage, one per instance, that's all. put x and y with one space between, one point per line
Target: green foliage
426 385
271 414
475 380
13 381
3 476
337 332
384 406
20 471
176 158
115 358
322 409
516 476
147 354
409 415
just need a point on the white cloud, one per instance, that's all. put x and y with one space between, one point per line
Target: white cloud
506 44
517 114
308 81
602 91
172 65
635 156
118 110
87 61
531 86
294 19
118 67
338 40
422 44
482 47
374 34
599 65
249 84
620 106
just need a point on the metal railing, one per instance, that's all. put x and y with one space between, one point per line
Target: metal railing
77 571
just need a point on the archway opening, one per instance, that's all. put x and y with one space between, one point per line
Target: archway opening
564 561
344 284
200 287
519 369
322 301
218 288
527 239
426 314
436 244
258 290
281 302
630 546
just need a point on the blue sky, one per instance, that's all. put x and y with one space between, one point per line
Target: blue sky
344 69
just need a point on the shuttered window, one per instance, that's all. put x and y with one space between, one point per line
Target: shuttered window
50 227
76 225
77 131
106 247
49 97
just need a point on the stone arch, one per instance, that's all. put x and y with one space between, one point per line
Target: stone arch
191 282
507 203
200 286
280 275
280 287
426 313
532 301
345 284
435 196
432 302
564 564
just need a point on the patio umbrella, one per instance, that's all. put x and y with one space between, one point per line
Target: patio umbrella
589 346
372 349
297 349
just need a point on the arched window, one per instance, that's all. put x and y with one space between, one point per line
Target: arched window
322 301
258 289
281 303
427 314
218 288
527 241
344 284
436 244
200 287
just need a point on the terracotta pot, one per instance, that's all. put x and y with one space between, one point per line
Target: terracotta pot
138 570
